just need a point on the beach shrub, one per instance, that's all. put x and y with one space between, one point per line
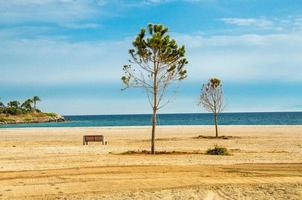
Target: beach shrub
14 111
6 120
28 119
218 150
2 119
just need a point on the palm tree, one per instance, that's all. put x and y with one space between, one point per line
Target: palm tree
27 104
2 107
35 99
2 104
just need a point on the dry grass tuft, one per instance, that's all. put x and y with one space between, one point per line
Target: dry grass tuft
219 137
145 152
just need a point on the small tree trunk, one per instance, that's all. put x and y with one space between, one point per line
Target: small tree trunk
153 131
154 106
216 123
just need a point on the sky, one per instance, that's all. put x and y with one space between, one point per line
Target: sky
71 53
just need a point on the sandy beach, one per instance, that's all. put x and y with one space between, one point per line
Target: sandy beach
52 163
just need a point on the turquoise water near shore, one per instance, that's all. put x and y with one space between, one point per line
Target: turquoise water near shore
268 118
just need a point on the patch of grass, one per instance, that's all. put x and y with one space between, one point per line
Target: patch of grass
51 114
218 150
145 152
28 119
219 137
2 119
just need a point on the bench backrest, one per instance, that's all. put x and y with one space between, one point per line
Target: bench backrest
93 138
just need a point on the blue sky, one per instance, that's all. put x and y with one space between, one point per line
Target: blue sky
71 52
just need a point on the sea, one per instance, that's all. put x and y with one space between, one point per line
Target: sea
256 118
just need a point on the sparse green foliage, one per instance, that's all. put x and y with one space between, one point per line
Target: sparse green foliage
156 62
211 98
27 105
218 150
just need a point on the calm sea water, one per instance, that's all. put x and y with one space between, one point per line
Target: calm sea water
276 118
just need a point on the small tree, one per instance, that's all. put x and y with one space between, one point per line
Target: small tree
211 98
13 104
157 62
35 99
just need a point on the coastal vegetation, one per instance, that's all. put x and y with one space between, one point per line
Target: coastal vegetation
26 112
211 98
156 62
218 150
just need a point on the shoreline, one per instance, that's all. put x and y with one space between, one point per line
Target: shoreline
226 119
185 113
31 119
147 126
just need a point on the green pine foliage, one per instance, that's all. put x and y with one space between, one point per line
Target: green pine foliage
156 62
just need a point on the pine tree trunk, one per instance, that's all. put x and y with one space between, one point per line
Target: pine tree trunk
154 108
216 123
153 131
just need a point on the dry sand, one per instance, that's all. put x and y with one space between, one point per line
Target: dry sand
52 163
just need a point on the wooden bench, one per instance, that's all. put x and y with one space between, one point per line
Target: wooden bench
93 138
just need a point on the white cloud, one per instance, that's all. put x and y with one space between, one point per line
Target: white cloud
280 25
82 25
51 11
158 2
272 57
245 57
61 62
263 23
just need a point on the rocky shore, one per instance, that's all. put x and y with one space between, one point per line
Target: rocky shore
26 119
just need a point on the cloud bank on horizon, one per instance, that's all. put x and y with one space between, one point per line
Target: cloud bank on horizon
70 52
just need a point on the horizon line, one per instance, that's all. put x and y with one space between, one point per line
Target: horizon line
239 112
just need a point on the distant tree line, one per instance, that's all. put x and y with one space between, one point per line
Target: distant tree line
17 108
